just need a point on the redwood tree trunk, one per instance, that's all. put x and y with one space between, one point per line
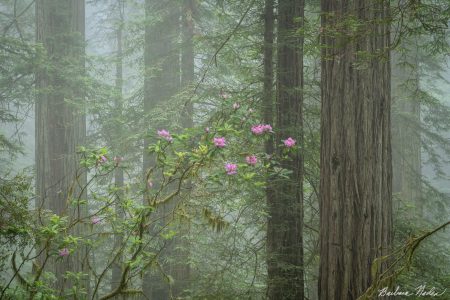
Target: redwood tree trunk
356 172
285 205
179 268
60 121
161 82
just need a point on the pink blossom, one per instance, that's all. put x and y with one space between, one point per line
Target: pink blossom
220 142
257 129
165 135
289 142
230 168
251 160
63 252
103 159
149 184
95 220
267 128
261 128
207 129
236 105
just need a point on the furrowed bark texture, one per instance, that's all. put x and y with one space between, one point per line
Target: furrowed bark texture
284 229
60 122
356 172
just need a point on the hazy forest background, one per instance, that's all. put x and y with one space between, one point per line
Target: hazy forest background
224 149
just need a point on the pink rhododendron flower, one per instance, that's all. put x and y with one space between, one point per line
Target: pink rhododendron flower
251 160
220 142
230 168
236 105
267 128
257 129
165 135
95 220
63 252
103 159
261 128
289 142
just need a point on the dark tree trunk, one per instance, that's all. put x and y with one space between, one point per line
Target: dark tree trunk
356 171
60 121
285 203
161 82
180 269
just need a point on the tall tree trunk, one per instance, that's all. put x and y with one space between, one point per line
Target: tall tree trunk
180 269
406 141
161 82
60 121
284 231
356 171
118 172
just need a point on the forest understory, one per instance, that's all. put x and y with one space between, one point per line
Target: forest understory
224 149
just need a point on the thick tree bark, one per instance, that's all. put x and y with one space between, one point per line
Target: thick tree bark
161 82
285 205
356 172
60 121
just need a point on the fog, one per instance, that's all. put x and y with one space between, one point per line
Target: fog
224 149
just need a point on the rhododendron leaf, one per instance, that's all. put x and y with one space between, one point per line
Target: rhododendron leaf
249 176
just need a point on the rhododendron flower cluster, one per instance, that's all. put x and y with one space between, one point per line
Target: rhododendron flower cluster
289 142
63 252
220 142
261 129
165 135
251 160
230 168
